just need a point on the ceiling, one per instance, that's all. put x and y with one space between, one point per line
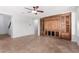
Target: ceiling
48 10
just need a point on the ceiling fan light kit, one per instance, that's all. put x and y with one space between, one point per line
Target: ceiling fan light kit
34 11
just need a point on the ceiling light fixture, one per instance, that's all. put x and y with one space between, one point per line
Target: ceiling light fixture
35 10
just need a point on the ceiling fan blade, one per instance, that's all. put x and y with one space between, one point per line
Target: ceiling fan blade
28 8
40 11
34 7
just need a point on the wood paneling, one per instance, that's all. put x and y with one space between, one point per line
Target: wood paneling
59 24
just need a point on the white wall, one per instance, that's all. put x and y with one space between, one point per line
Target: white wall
37 24
22 26
7 20
4 22
1 25
78 21
77 17
73 26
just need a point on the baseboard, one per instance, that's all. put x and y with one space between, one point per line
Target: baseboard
78 40
21 36
74 38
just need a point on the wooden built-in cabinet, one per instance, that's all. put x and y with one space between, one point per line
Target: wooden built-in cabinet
57 25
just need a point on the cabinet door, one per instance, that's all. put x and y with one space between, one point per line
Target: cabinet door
68 23
65 26
62 24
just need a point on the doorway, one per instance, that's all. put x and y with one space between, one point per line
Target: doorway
5 26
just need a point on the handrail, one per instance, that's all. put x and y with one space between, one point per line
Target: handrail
9 25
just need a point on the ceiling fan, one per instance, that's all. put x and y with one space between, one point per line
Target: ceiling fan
34 10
